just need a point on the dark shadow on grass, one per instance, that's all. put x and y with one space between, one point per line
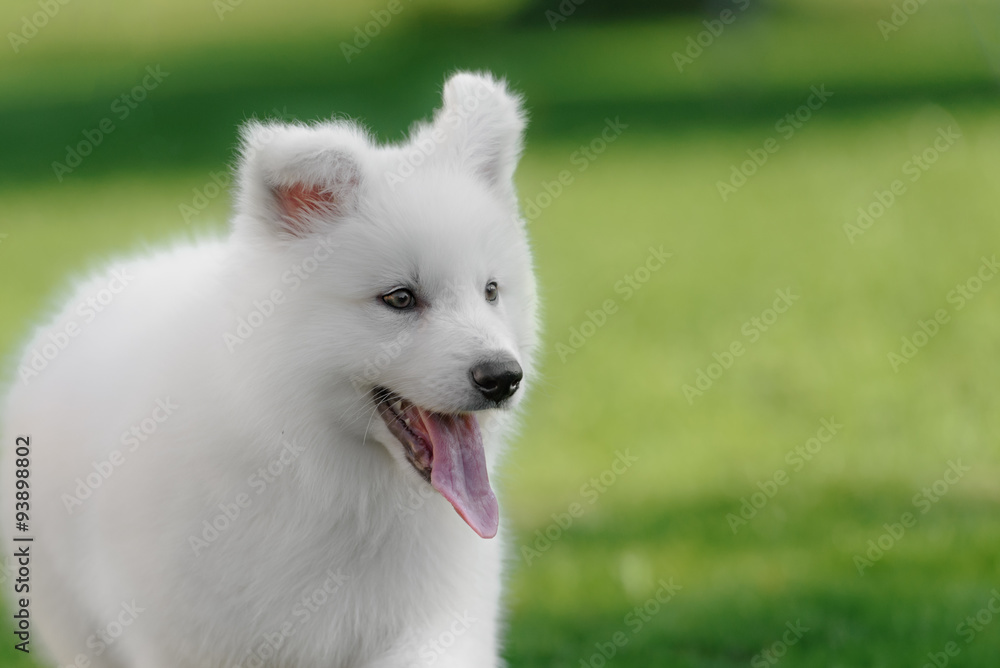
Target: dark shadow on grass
907 604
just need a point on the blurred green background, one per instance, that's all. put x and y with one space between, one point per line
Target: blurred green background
700 460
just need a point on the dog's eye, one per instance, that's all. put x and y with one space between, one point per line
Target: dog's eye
400 299
492 291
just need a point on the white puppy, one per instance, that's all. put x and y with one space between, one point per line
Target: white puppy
275 449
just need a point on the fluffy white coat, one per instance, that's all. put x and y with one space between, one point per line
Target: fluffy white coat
210 485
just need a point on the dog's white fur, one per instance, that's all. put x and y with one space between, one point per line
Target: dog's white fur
346 520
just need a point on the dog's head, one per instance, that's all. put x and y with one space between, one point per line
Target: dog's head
411 276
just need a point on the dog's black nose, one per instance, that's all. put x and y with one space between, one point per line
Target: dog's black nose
497 379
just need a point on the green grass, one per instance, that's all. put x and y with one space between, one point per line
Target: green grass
665 517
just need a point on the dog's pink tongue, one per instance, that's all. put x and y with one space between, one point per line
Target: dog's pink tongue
459 469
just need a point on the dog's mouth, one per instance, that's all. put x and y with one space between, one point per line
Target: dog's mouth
447 450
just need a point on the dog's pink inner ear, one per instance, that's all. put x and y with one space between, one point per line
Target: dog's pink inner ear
301 203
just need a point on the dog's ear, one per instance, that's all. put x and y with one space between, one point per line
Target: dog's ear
481 125
296 179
